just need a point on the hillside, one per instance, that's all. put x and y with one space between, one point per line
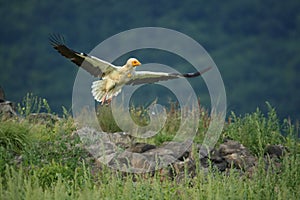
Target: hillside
43 156
255 45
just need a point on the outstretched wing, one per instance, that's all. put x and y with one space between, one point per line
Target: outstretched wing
141 77
91 64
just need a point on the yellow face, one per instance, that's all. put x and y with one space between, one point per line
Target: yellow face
135 63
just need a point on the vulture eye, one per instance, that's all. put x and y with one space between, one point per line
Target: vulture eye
135 63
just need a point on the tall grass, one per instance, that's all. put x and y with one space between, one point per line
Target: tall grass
33 104
49 162
140 116
110 185
256 130
14 136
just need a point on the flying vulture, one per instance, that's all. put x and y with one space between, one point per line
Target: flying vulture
113 78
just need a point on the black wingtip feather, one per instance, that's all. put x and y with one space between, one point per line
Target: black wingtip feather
58 43
56 39
195 74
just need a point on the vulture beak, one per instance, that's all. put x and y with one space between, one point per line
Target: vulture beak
136 63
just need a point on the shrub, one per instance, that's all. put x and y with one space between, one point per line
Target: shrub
14 135
32 104
255 130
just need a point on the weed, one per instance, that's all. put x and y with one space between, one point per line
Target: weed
32 104
14 135
54 164
255 130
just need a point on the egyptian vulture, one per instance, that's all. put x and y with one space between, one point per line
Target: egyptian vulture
113 78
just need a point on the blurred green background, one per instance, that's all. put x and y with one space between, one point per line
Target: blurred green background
254 43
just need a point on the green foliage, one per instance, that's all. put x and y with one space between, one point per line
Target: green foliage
50 174
140 116
162 137
14 139
33 104
14 136
106 119
6 157
254 44
255 130
263 185
55 165
56 145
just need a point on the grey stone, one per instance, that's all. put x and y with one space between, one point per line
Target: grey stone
237 155
275 150
7 110
43 118
141 147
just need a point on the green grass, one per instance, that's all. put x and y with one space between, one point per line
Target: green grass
38 161
263 185
256 131
14 135
32 104
140 116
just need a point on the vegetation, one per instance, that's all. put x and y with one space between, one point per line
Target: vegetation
253 43
38 161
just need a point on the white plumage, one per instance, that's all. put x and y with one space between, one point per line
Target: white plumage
113 78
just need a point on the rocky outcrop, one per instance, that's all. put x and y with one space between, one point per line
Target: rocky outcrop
7 110
272 157
6 107
173 160
43 118
236 155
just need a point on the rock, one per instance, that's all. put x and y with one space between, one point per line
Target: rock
275 151
172 160
165 167
140 147
105 158
203 153
164 160
160 157
123 145
188 166
219 161
272 157
237 155
181 150
98 144
159 151
184 171
7 110
43 118
120 137
120 162
131 162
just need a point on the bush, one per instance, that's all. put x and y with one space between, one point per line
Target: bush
255 130
33 104
14 135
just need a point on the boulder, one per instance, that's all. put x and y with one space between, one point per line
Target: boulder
173 160
275 151
140 147
273 155
43 118
236 155
7 110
